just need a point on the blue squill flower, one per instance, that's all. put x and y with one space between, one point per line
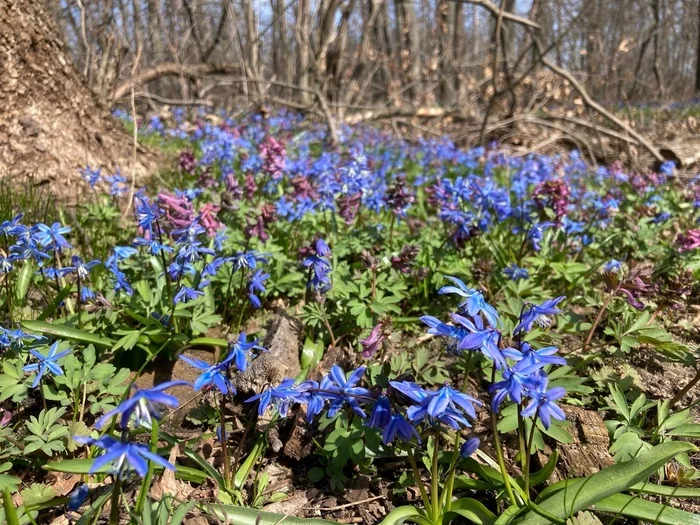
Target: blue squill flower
281 397
186 294
543 403
514 383
257 285
473 302
486 340
77 497
538 314
123 456
612 266
142 405
46 363
381 413
399 427
52 236
515 273
469 447
543 356
213 376
346 390
82 269
239 352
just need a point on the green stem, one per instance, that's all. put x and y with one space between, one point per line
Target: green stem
499 451
146 485
114 512
224 443
419 480
435 479
521 437
527 459
79 306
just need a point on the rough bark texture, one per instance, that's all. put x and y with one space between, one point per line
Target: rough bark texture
281 359
50 123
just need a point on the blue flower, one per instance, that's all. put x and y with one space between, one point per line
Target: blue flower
515 273
515 381
319 269
477 337
77 497
453 334
381 413
214 375
47 363
239 352
186 294
473 302
122 456
346 391
12 227
469 447
280 396
248 260
52 236
257 284
613 265
543 403
141 405
82 269
154 247
399 427
538 314
543 356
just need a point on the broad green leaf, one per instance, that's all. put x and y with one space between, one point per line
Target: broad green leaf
67 332
645 510
583 493
248 516
24 279
405 513
209 341
9 507
471 509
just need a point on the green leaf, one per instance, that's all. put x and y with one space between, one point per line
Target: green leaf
583 493
36 494
67 332
405 513
666 490
24 279
689 430
644 510
209 341
247 466
248 516
543 475
9 506
51 308
72 466
471 509
8 482
311 354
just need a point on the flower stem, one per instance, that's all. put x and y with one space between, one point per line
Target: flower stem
598 318
419 480
499 452
114 512
224 442
435 480
527 458
146 485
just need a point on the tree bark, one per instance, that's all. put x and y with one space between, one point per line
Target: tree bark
50 122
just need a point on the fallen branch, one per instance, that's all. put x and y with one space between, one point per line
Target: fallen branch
167 69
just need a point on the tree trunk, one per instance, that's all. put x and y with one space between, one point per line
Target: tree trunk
50 122
697 57
302 30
